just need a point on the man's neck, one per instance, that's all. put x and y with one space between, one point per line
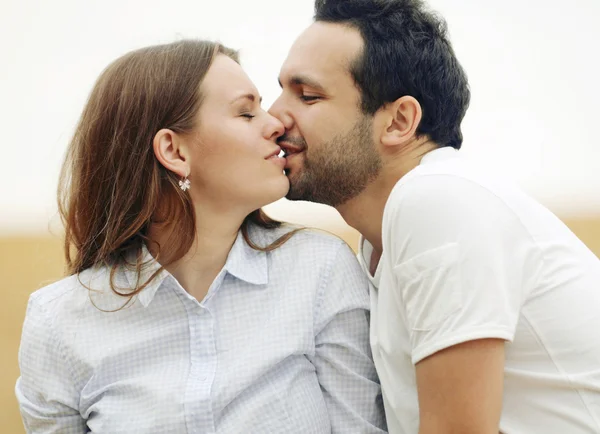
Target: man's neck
365 211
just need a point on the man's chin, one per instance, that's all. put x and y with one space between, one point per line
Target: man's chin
294 196
296 192
293 192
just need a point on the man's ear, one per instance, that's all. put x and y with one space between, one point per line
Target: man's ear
171 152
401 120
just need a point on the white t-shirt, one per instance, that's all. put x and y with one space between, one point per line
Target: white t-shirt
467 256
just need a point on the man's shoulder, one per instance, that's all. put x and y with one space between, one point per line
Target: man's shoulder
452 202
448 175
433 189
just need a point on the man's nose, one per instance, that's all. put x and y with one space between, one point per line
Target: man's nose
281 112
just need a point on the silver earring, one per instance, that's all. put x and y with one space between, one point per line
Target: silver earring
185 183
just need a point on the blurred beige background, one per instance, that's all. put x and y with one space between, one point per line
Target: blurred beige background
532 67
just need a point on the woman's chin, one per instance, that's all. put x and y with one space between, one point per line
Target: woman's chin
276 190
263 194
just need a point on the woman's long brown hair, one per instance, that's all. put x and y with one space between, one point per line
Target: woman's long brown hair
111 187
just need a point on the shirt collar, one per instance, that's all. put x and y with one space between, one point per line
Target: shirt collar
365 250
439 154
362 254
246 263
149 267
243 262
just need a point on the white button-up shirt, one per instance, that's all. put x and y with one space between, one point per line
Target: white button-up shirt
280 344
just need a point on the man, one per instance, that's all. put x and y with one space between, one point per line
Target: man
485 307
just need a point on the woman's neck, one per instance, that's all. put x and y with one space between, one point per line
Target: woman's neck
215 235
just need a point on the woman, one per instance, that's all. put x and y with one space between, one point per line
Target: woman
187 309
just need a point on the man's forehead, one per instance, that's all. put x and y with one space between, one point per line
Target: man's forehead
324 50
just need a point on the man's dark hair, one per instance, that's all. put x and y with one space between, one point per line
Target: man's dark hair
406 52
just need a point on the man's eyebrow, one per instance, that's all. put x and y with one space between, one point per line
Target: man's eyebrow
300 80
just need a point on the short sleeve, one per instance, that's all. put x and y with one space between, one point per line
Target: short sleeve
462 262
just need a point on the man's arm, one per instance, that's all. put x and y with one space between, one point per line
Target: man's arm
460 388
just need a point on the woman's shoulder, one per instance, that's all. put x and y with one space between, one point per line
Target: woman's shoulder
301 237
310 245
52 294
69 292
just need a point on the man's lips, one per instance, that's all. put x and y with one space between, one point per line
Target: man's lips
290 153
289 149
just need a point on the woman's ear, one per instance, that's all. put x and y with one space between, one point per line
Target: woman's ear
171 152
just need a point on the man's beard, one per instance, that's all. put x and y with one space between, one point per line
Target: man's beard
338 170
